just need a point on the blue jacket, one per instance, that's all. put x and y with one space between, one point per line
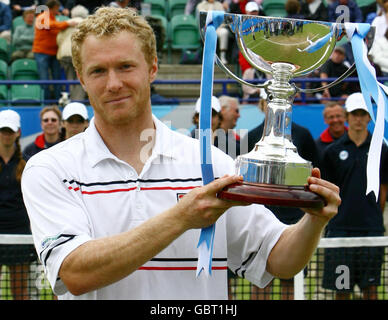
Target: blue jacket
355 14
5 17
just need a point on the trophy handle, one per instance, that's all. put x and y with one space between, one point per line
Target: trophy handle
233 76
346 74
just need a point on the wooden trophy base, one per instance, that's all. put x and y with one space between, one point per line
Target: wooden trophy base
274 195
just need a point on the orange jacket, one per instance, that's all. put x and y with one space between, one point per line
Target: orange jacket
45 40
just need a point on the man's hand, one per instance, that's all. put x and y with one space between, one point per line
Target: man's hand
201 208
329 191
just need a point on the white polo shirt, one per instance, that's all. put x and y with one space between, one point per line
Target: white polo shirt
78 190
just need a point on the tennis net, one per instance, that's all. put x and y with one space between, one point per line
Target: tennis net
22 276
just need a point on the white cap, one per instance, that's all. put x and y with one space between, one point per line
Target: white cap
10 119
355 101
251 6
75 108
215 104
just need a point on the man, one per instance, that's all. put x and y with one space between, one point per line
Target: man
334 116
226 138
353 13
45 45
334 68
23 37
50 122
359 215
75 119
116 210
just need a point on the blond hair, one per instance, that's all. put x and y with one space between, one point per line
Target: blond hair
110 21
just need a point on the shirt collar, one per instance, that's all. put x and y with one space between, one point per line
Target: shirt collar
98 151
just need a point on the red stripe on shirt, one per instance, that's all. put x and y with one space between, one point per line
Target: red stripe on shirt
134 188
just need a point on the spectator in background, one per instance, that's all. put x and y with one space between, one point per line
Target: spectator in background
5 22
334 116
91 5
359 215
314 10
355 14
379 53
381 21
305 145
248 72
216 117
19 6
293 9
50 122
119 3
45 45
23 37
222 30
78 13
13 214
333 68
226 138
75 119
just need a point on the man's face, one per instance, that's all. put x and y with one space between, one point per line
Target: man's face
358 120
117 78
74 125
230 115
50 123
335 119
337 56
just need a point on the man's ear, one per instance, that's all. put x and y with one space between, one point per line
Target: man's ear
154 70
81 80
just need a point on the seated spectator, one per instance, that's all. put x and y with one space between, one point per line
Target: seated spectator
381 21
50 122
355 14
45 45
119 3
19 6
314 10
64 53
91 5
334 68
293 9
222 30
23 37
379 53
5 22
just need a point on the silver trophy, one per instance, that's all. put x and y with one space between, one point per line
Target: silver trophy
273 172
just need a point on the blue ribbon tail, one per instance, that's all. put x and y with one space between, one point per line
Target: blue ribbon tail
206 239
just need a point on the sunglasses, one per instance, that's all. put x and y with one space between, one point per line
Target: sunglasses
49 119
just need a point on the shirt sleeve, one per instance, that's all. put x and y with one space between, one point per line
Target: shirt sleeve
252 232
59 221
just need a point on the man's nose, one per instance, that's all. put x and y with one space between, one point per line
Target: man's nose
114 82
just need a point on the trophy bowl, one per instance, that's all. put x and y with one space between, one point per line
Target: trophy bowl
273 172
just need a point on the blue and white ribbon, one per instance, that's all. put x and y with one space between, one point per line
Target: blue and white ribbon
371 89
206 239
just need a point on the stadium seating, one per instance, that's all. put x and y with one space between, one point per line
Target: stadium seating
184 32
26 94
24 69
274 8
4 50
176 7
158 7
